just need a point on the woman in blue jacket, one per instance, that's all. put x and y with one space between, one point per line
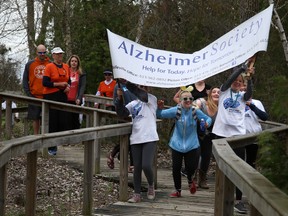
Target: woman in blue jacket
184 142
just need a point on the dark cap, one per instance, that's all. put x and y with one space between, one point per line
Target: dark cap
107 72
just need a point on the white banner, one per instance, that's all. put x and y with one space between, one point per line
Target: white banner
160 68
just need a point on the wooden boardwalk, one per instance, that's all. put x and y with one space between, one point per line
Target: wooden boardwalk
201 203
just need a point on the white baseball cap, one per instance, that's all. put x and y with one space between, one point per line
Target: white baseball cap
57 50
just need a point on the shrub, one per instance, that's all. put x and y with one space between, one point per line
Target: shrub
273 159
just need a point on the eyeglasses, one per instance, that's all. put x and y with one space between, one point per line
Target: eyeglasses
107 74
187 98
41 53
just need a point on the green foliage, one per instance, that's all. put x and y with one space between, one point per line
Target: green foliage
273 160
280 95
89 23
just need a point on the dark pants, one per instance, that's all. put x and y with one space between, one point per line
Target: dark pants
251 154
57 121
72 119
206 152
240 152
191 160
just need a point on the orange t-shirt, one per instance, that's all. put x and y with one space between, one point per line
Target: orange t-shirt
106 90
36 71
55 74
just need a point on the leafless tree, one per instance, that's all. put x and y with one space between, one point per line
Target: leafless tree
277 24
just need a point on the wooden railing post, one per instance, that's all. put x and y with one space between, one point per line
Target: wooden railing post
30 205
88 178
89 158
3 188
97 146
123 187
224 194
8 119
45 124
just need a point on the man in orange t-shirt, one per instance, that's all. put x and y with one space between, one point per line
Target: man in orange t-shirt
56 84
106 87
32 84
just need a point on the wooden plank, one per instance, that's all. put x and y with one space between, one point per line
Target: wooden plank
162 205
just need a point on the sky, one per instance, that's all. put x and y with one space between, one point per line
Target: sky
16 41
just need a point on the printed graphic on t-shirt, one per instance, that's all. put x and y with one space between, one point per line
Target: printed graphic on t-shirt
229 102
136 109
247 113
39 71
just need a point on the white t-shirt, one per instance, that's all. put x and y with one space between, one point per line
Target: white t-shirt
231 114
13 105
251 119
144 127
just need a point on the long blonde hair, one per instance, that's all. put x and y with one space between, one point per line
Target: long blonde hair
210 103
79 68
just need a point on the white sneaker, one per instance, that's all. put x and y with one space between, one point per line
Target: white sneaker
135 198
151 193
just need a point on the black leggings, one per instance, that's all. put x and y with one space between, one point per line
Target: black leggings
240 152
206 152
251 154
191 159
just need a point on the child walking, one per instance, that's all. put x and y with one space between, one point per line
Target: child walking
142 140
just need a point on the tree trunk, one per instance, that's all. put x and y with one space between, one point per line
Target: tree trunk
30 28
67 30
46 17
280 29
142 16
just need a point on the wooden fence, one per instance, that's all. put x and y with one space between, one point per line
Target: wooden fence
264 197
89 136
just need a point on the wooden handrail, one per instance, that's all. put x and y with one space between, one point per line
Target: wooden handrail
264 197
31 144
231 171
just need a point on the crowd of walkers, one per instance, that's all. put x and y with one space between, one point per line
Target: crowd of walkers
201 113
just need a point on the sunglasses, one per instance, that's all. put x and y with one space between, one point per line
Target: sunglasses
41 53
187 98
107 74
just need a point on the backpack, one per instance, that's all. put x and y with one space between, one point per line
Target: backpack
178 115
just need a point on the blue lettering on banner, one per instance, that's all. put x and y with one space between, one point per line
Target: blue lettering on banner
147 54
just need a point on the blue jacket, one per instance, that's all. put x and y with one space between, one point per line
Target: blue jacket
184 137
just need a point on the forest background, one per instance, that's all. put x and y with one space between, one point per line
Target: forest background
184 26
